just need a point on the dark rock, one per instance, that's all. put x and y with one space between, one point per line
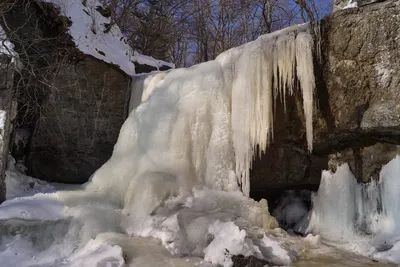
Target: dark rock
80 122
104 11
251 261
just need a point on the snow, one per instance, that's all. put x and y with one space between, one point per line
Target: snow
230 240
38 207
20 185
28 198
73 227
351 4
88 32
7 48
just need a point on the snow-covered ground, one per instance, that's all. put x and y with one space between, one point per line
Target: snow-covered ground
43 226
88 31
69 227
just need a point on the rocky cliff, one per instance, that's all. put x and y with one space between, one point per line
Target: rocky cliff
73 91
358 112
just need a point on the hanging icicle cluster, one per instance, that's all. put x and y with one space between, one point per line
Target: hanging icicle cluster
266 69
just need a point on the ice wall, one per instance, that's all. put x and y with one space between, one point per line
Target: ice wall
365 216
200 126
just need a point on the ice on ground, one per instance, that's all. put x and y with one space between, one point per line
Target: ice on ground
19 185
88 30
38 207
229 240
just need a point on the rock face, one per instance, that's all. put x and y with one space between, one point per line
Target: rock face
362 60
7 114
80 121
358 96
71 105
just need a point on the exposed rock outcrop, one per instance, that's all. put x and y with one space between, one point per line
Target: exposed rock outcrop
80 121
71 105
358 115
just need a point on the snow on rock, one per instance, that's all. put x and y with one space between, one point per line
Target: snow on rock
19 185
7 49
88 31
228 240
351 4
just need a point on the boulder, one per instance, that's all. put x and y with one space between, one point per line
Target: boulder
79 122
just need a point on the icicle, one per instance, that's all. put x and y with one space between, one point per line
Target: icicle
284 64
265 70
305 74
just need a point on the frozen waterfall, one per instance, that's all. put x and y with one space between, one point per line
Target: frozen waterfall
203 124
179 171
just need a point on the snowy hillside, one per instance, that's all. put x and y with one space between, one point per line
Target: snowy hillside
88 31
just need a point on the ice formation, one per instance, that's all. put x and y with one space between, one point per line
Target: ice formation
181 161
361 217
142 86
219 105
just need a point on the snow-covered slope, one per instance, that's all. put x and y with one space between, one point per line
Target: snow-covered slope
88 31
